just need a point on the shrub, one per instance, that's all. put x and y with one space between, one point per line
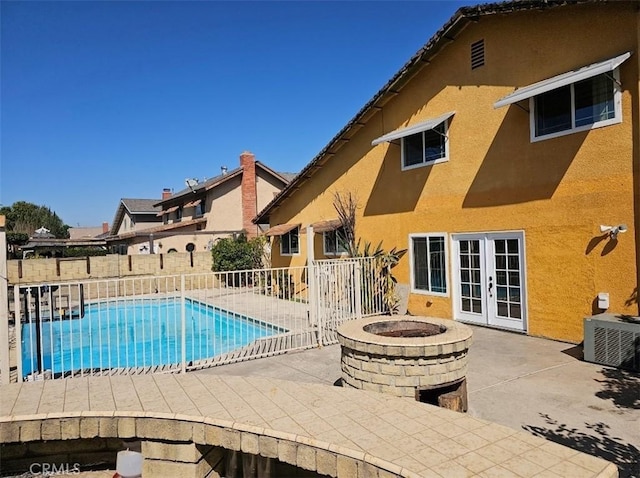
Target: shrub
237 254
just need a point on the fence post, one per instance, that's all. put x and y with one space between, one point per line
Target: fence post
18 328
183 314
358 288
314 315
4 306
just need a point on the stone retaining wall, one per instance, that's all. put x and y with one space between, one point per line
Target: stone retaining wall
174 445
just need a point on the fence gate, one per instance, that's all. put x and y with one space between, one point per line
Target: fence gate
345 289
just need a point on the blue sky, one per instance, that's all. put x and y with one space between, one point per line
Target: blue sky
104 100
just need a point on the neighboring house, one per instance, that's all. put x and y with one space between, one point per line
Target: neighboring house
494 156
77 233
192 219
132 217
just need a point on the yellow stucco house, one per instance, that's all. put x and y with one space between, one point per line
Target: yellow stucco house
505 156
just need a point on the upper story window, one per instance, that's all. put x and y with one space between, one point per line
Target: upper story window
334 242
422 144
426 147
200 209
179 213
428 263
583 105
290 242
578 100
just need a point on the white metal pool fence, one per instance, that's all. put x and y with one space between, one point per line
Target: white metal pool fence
185 322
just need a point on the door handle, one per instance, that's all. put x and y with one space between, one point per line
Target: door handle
490 286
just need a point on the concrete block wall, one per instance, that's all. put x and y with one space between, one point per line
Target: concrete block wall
33 271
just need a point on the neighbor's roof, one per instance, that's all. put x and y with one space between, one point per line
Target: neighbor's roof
53 242
442 37
133 206
157 229
85 232
140 206
216 181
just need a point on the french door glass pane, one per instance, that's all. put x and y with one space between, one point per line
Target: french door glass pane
507 264
515 311
503 309
514 278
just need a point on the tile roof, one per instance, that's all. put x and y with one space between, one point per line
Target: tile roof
220 179
140 206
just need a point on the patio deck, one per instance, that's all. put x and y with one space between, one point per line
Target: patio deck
329 430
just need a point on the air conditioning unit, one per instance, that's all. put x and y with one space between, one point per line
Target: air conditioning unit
612 340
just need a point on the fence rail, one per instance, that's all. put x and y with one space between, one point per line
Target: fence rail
186 322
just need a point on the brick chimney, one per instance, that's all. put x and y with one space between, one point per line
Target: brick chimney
105 227
249 193
166 193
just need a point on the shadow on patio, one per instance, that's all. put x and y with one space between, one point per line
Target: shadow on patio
596 442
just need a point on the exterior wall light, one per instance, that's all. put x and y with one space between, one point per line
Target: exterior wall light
614 230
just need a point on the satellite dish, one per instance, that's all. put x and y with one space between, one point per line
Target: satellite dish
191 183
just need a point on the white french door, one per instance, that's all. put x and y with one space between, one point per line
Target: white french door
489 285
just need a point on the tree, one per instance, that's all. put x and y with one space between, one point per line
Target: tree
25 217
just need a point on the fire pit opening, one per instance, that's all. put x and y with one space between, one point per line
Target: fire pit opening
404 328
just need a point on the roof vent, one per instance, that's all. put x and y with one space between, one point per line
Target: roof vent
477 54
224 170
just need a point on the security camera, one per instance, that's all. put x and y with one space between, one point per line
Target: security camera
605 228
622 228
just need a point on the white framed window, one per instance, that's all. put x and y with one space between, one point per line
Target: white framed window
428 256
290 242
426 147
590 103
334 242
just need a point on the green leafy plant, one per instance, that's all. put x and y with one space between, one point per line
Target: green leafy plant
384 284
237 254
383 287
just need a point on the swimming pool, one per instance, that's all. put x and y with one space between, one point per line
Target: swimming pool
137 333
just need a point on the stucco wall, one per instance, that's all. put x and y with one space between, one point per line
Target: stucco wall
266 188
46 270
557 191
224 204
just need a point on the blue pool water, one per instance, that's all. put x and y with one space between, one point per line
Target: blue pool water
137 333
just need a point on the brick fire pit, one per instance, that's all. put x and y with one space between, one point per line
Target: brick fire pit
406 356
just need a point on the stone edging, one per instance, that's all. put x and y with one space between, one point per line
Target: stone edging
297 450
